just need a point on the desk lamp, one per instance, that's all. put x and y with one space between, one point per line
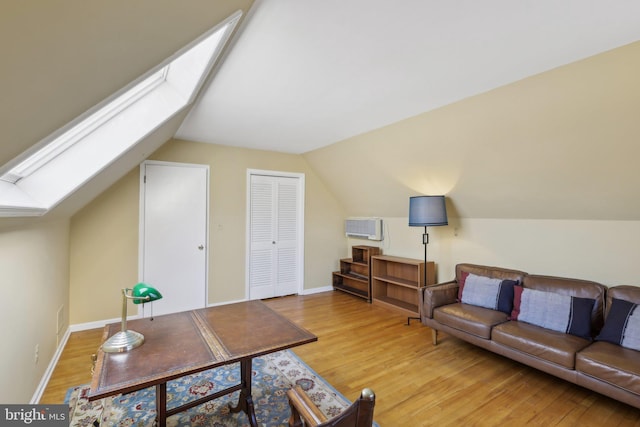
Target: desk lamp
126 340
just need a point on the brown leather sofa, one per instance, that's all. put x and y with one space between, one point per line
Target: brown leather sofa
603 367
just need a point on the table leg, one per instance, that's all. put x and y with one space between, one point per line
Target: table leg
245 402
161 404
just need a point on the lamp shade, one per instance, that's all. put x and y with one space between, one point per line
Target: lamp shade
142 293
427 211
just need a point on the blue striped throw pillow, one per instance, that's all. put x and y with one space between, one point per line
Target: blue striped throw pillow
562 313
496 294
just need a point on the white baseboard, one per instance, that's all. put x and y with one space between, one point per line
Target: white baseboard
97 324
317 290
216 304
52 365
56 356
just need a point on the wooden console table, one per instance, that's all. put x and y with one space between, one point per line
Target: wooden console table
184 343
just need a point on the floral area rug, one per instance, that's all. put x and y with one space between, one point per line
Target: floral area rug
273 375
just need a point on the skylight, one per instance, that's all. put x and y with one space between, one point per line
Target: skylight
78 132
35 182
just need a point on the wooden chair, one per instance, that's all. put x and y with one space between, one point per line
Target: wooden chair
359 414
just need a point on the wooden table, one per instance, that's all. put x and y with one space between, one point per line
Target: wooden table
184 343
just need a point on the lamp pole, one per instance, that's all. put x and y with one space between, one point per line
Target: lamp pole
425 242
425 211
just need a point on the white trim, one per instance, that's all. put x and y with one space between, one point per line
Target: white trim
37 395
300 243
98 323
318 290
217 304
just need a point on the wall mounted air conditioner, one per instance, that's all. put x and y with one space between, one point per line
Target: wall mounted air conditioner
366 228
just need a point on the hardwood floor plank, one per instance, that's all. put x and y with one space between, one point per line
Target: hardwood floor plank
74 366
416 384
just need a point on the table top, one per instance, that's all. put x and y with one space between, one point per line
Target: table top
183 343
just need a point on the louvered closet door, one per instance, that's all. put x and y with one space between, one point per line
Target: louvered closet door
274 268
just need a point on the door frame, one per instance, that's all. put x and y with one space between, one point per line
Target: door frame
300 220
141 220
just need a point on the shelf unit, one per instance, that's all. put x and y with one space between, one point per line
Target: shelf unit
396 281
354 276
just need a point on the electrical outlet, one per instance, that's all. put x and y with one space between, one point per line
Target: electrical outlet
36 355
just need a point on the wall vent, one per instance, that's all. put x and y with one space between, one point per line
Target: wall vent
365 228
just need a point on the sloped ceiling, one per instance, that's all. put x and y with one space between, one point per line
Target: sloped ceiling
61 58
307 74
303 75
563 144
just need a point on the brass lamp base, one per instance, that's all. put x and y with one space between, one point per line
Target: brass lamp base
123 341
126 340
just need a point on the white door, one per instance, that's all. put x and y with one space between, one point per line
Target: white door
173 234
275 234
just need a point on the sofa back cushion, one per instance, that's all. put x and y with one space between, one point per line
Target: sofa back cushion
623 292
487 271
573 288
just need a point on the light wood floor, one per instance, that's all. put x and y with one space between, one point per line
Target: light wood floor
416 384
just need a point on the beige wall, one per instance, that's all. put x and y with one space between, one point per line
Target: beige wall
603 251
35 277
559 145
104 235
104 252
539 175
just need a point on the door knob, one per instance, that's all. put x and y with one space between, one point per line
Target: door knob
201 247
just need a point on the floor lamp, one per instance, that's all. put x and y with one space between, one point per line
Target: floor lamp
426 211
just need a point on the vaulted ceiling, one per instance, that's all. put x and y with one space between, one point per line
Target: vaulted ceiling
307 74
299 75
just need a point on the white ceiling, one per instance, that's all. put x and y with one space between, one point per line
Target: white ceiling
306 74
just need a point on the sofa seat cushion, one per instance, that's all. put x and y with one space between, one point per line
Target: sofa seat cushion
552 346
611 363
469 318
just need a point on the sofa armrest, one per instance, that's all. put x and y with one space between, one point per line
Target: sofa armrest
437 295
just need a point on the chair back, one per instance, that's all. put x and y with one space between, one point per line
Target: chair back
359 414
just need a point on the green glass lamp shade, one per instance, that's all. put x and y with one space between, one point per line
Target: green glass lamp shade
142 293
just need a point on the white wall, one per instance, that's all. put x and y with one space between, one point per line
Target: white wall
34 261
